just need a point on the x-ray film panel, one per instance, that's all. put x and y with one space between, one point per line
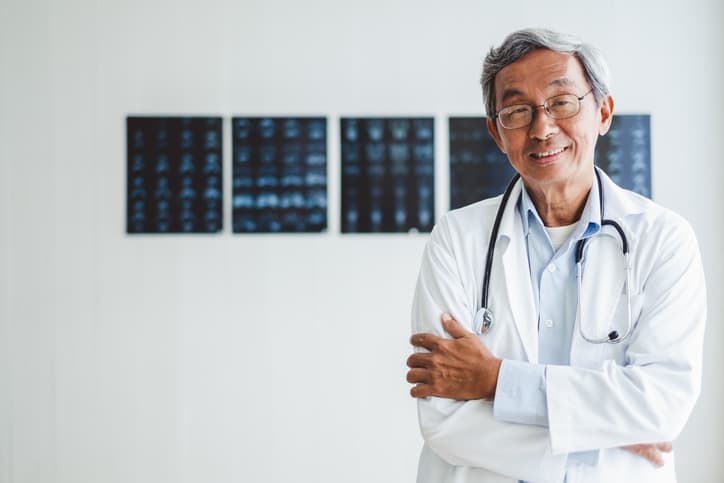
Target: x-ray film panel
387 174
174 174
624 153
279 174
478 169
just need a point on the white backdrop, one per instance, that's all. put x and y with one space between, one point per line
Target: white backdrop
274 358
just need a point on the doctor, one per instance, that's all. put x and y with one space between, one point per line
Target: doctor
578 378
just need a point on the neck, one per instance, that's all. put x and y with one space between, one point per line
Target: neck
559 205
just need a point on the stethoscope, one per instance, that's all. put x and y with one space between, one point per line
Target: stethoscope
484 319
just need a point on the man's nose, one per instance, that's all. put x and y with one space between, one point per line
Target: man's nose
542 126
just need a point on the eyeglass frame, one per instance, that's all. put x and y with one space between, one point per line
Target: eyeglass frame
545 107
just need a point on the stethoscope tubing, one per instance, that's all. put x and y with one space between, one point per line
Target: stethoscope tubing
484 319
494 236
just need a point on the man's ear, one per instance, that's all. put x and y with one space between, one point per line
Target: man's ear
493 130
606 115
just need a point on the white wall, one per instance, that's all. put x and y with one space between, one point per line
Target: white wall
273 358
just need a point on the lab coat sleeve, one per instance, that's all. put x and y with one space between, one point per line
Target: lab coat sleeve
520 397
467 433
650 397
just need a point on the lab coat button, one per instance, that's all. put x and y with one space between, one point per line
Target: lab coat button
551 268
548 323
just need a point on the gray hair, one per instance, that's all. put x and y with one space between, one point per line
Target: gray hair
519 43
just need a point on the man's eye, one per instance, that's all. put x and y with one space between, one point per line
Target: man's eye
561 103
517 111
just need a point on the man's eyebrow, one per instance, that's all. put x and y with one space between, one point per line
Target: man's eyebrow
563 82
508 93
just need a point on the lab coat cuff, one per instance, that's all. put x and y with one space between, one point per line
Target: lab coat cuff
520 395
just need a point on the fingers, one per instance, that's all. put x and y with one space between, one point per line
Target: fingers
419 359
651 453
648 451
428 341
453 327
421 390
418 376
666 447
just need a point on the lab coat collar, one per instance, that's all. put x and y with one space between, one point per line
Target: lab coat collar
618 202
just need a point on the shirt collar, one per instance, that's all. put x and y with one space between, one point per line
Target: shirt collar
587 226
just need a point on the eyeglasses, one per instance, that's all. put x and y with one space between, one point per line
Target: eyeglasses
556 107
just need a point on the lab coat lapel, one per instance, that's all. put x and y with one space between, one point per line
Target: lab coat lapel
514 260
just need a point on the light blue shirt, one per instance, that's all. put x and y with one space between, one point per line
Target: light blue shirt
520 395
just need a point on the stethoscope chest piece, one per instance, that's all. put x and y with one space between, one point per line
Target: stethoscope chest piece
483 321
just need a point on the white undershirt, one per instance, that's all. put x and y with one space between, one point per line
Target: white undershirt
559 234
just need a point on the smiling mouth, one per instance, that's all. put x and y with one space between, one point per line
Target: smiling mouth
548 154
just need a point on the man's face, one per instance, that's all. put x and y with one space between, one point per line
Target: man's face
550 153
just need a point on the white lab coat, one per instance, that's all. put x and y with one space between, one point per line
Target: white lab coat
639 391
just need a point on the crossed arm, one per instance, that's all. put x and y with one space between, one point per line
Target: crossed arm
455 380
463 369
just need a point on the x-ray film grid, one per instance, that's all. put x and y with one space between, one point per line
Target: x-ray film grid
625 152
387 174
479 170
174 175
279 174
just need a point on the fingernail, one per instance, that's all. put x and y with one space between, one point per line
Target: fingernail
446 317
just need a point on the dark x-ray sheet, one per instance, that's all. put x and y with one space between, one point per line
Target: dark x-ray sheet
174 174
387 174
279 174
625 152
479 170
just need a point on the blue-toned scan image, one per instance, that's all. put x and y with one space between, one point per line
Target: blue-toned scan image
279 174
174 174
625 152
479 170
387 175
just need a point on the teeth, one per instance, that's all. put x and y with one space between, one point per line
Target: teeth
548 153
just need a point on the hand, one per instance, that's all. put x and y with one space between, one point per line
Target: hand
651 452
461 368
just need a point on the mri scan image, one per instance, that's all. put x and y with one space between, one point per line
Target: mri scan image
174 174
279 174
478 169
625 152
387 175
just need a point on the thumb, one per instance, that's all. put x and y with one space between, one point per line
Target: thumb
453 327
666 447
